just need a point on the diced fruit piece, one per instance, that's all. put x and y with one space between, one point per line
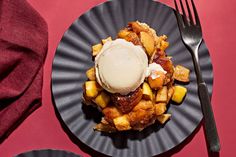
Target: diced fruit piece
133 37
181 73
106 40
96 49
137 28
123 33
163 118
110 113
170 93
122 123
102 99
160 108
147 92
91 74
162 95
179 93
159 41
158 82
164 45
92 89
148 42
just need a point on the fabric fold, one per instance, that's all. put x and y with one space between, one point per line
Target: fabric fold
23 48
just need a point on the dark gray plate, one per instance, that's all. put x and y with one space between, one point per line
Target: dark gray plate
73 58
47 153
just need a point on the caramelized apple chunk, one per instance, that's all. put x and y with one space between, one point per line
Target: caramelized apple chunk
123 33
148 43
160 108
106 40
162 95
122 123
133 37
90 73
158 82
96 49
136 27
102 99
181 73
163 118
179 94
92 89
147 92
110 113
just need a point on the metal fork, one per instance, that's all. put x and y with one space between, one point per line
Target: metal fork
191 34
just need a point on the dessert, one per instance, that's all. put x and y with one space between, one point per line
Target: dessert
133 79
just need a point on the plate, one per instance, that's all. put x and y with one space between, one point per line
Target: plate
73 58
47 153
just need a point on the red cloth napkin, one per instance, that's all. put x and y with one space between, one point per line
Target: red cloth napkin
23 47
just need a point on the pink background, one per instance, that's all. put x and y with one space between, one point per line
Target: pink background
43 130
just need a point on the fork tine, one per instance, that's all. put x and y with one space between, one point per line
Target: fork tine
189 12
179 18
195 14
184 14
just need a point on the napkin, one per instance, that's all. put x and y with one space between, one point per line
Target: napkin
23 47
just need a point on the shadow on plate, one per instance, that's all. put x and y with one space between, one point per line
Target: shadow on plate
119 139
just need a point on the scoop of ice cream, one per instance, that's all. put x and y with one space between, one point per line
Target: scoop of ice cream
121 66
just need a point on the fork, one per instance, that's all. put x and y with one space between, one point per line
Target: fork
191 34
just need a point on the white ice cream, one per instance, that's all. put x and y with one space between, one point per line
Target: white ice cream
121 66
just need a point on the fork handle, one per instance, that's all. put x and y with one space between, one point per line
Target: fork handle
212 137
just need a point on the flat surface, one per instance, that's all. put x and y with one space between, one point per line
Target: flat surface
73 57
43 130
